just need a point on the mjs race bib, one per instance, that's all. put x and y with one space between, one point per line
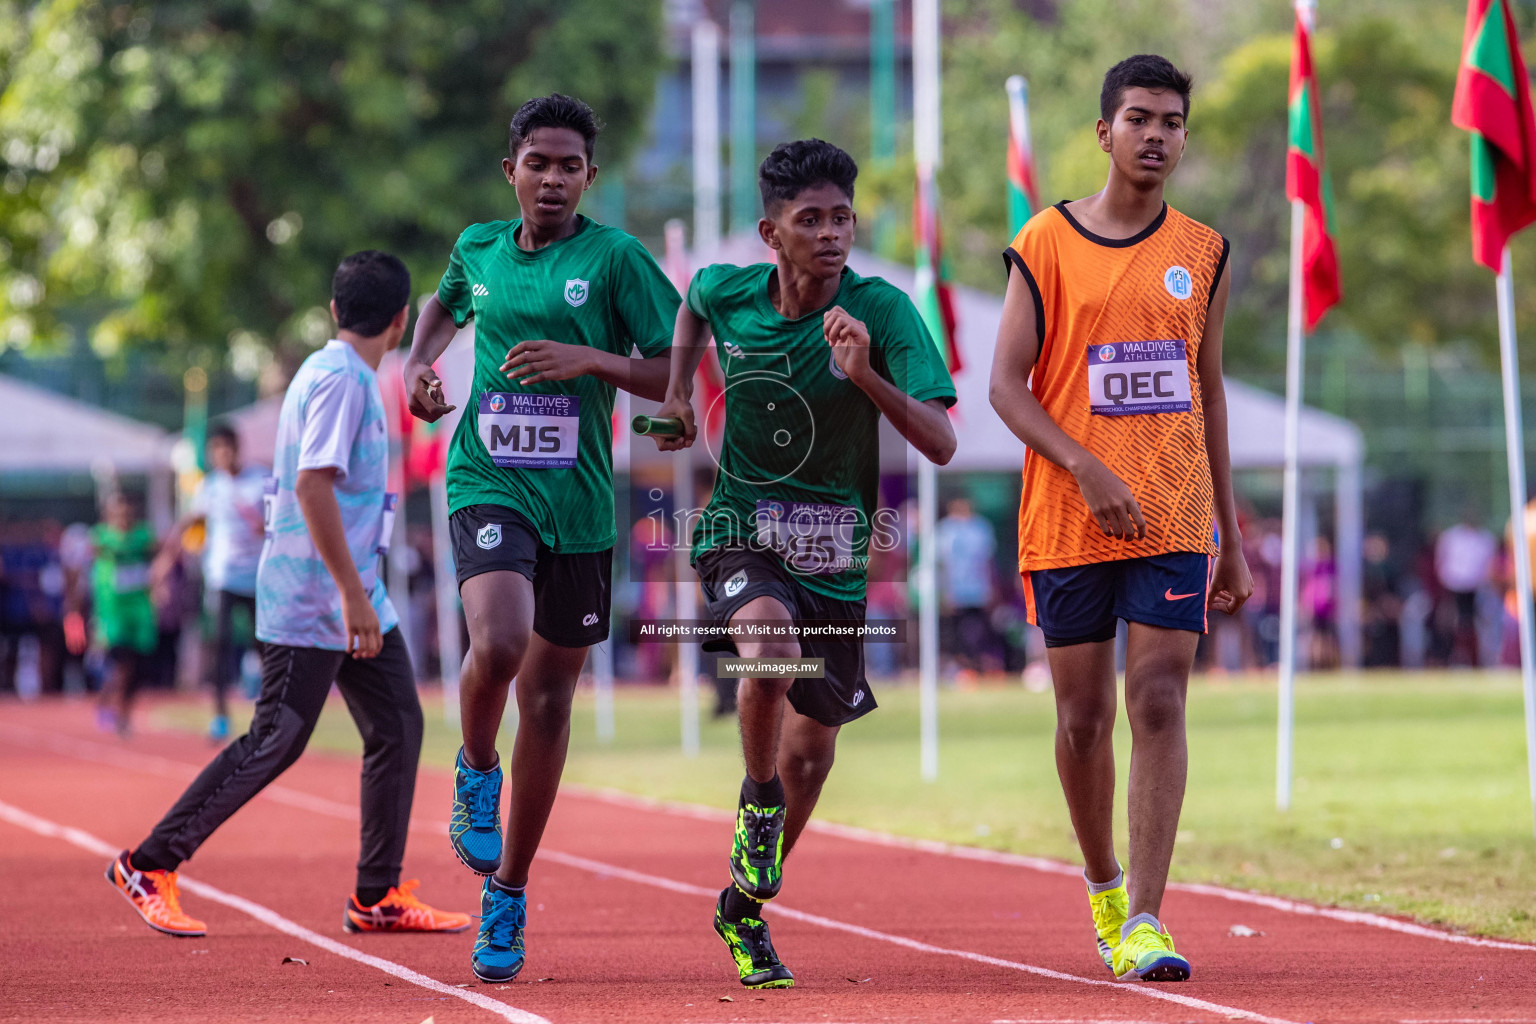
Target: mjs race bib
523 431
1129 378
813 539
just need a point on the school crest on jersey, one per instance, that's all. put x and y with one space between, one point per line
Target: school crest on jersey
577 290
1178 282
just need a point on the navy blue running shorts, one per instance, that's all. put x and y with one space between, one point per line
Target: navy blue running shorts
1078 604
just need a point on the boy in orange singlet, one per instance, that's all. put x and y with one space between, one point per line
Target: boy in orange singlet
1108 367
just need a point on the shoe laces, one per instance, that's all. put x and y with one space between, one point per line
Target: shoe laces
168 892
1146 939
762 829
507 915
754 936
404 895
482 802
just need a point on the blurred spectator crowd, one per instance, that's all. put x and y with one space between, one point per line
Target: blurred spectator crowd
1446 601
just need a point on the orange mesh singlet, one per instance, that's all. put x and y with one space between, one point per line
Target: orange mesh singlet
1120 324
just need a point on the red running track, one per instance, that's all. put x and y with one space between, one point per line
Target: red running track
619 913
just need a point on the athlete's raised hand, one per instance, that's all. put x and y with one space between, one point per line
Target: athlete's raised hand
849 339
1231 582
529 362
681 408
1113 505
424 393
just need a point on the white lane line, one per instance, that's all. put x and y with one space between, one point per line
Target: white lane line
656 881
170 768
91 844
334 809
864 835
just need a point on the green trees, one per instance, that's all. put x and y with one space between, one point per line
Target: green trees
189 173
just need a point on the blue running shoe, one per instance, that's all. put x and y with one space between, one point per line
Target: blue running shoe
499 949
474 829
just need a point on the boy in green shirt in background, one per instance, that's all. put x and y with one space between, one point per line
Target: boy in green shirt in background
122 606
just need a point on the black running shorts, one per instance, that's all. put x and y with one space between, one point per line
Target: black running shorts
730 577
572 593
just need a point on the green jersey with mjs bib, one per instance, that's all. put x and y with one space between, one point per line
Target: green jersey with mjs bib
545 449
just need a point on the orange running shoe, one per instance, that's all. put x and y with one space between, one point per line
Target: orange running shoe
155 896
401 911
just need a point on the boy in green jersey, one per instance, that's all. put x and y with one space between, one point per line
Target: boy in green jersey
813 356
558 303
126 624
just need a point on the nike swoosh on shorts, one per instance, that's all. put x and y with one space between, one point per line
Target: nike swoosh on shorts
1170 595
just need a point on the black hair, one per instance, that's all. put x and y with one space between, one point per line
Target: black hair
1144 71
793 167
553 111
225 431
370 287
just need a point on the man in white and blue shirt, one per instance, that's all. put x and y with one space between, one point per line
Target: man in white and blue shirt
322 616
228 504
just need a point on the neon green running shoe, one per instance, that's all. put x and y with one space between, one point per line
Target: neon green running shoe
1147 955
756 962
1111 909
757 850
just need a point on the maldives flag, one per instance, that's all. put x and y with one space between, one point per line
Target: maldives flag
1023 190
1306 179
935 301
1493 102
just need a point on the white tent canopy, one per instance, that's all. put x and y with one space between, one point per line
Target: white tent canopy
45 432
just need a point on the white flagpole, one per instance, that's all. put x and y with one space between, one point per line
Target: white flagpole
706 242
447 587
602 689
1290 553
1295 364
1514 440
926 142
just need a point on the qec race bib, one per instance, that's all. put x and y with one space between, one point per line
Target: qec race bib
1130 378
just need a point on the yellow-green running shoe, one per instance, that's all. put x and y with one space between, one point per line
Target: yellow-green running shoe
1147 955
757 850
1111 909
752 949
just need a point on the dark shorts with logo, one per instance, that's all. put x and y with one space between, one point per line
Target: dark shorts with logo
1078 604
572 593
730 577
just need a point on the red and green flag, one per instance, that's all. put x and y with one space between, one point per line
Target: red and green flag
1306 179
935 299
1023 190
1493 102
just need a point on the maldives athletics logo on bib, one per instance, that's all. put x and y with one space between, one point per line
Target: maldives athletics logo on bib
577 290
